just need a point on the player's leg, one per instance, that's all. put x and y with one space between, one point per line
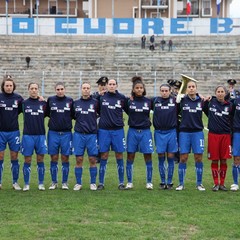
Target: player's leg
41 149
146 147
119 146
198 149
132 145
185 147
92 150
66 150
14 146
53 150
236 161
104 140
27 151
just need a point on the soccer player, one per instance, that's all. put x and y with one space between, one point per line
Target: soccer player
60 113
191 135
139 137
165 133
111 132
34 112
85 135
235 144
10 108
102 88
219 112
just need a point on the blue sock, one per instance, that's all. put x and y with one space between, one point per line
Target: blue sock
54 171
120 168
149 169
93 175
65 172
235 174
102 171
1 170
162 169
181 172
170 170
41 172
199 172
78 175
26 172
15 170
129 171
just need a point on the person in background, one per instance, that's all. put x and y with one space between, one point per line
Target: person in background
60 113
170 45
86 110
139 137
219 113
102 88
232 92
191 135
111 132
143 41
165 133
10 108
34 112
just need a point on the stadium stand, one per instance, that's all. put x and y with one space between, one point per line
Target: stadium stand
211 60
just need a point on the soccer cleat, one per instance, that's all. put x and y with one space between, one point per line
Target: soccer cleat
222 188
121 186
16 186
234 187
169 186
162 186
93 187
129 186
149 186
215 188
100 187
53 186
65 186
200 188
26 188
179 188
41 187
77 187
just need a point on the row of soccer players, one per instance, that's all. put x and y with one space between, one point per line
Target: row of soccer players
109 132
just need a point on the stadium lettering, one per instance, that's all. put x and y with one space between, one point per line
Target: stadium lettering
120 26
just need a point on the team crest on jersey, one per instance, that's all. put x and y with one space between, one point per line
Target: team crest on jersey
91 106
145 104
68 105
118 102
226 109
199 104
170 100
15 102
41 107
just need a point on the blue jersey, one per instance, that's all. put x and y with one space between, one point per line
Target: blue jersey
138 111
236 118
60 112
10 107
34 112
219 116
85 113
164 113
111 111
191 114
